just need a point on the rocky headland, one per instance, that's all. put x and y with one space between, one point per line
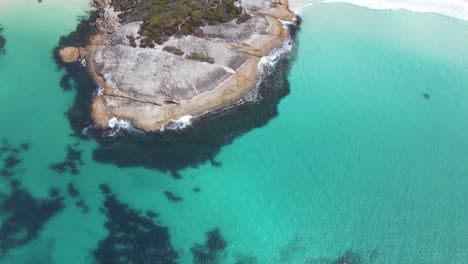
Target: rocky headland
159 60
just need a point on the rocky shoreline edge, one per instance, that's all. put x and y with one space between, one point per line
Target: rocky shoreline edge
151 111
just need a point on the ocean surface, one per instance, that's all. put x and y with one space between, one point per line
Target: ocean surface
366 160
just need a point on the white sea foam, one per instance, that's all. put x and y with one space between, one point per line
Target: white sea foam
451 8
99 91
85 131
178 124
267 63
117 124
275 55
83 63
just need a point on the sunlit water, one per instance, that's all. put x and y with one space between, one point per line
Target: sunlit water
368 153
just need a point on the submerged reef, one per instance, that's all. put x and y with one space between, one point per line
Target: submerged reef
133 237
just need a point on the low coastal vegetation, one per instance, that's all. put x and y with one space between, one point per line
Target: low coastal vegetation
200 57
165 18
174 50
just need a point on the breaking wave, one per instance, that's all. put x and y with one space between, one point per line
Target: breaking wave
178 124
116 125
451 8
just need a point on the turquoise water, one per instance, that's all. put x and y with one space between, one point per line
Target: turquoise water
368 152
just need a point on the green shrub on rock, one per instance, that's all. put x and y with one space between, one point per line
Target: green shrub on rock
199 57
165 18
174 50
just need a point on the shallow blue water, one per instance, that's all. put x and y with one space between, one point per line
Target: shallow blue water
368 152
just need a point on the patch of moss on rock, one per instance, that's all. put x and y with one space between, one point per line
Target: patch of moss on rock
199 57
174 50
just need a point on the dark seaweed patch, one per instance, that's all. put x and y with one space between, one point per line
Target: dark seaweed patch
215 163
173 198
65 83
26 217
54 192
72 191
2 42
11 161
210 252
71 162
24 146
196 190
171 151
152 214
105 189
133 238
15 183
81 204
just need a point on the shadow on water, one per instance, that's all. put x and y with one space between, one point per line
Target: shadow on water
172 150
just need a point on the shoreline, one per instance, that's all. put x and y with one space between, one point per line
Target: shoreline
228 92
